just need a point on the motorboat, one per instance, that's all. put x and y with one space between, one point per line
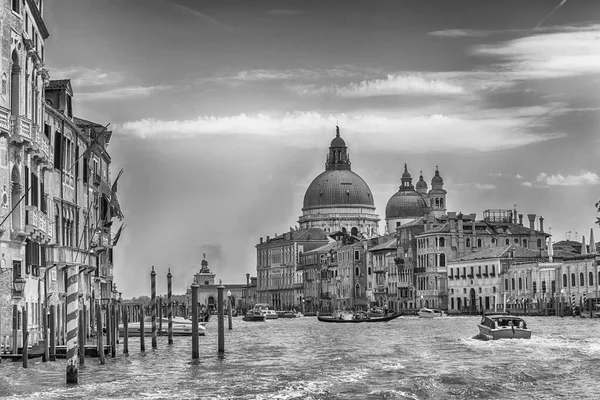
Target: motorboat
431 313
254 316
503 326
289 314
264 309
181 327
358 318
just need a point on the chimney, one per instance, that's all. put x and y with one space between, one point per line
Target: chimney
531 218
267 239
541 224
521 219
460 222
247 279
261 240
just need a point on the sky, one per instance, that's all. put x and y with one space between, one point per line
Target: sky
222 113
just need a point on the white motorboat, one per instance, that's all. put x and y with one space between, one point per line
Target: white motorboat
264 309
181 327
503 326
430 313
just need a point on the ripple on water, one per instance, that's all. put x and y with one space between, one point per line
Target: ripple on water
408 358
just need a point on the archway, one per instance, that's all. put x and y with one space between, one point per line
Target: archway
15 179
354 231
211 303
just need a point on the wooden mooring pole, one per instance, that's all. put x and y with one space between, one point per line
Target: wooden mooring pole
25 338
100 329
81 338
153 305
220 321
45 328
114 330
195 350
125 330
142 333
72 324
170 304
52 355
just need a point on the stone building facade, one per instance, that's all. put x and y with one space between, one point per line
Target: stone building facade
55 211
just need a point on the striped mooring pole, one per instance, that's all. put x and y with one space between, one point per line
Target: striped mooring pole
170 305
195 352
153 305
72 323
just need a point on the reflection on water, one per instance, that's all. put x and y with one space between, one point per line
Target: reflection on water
408 358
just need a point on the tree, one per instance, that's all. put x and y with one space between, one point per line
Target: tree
598 210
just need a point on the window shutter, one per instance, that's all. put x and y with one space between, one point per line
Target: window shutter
27 185
76 162
57 149
85 170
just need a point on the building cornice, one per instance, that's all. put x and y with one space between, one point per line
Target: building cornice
39 21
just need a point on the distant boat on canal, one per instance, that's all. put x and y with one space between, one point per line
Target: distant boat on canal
254 316
181 327
430 313
357 318
503 326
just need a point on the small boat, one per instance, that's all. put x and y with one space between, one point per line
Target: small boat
358 318
264 309
431 313
181 327
503 326
254 316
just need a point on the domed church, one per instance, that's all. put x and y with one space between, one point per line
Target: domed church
339 199
410 203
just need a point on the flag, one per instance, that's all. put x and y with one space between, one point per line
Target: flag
118 234
96 139
114 201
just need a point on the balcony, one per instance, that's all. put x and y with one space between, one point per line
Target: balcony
37 223
4 121
43 151
21 129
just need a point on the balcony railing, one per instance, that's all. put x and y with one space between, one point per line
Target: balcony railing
37 220
4 119
21 128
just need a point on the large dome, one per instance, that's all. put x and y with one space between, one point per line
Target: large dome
338 188
406 204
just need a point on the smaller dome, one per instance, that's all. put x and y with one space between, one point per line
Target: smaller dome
406 204
421 184
406 174
337 140
437 182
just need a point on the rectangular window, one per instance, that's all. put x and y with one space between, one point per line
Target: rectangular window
356 255
57 150
4 157
17 273
16 6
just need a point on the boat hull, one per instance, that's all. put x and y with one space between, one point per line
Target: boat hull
505 332
254 318
358 321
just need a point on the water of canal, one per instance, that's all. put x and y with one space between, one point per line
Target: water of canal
408 358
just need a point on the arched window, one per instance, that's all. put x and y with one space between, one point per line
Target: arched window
441 203
442 260
354 231
468 242
505 284
539 242
513 284
357 271
520 283
507 241
437 203
357 290
478 242
524 242
581 279
565 280
442 242
534 288
573 283
591 279
451 273
4 83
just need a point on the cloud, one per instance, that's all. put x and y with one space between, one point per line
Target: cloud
389 86
475 185
528 184
536 56
85 77
204 17
584 178
262 74
519 176
283 11
486 131
453 33
127 92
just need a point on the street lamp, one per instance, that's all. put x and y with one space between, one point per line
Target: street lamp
18 288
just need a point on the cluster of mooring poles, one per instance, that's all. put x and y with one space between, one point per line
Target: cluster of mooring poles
81 323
